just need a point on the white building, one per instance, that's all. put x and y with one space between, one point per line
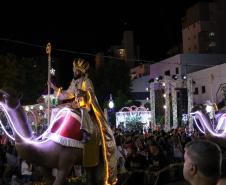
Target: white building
182 64
175 67
209 84
140 89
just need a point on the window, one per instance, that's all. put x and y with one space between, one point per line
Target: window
167 73
196 90
195 47
188 38
189 49
177 70
194 36
211 34
203 89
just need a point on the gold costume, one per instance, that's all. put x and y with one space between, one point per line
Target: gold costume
92 117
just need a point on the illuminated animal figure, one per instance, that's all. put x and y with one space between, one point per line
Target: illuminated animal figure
46 152
207 123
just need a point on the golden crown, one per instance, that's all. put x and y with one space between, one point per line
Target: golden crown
81 65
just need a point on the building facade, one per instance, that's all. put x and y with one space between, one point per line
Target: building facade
200 30
209 84
139 71
125 51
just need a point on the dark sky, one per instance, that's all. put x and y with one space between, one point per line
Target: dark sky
91 27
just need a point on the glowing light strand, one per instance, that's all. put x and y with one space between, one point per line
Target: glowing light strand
35 141
199 115
97 113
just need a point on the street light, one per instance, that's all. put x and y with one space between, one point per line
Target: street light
111 103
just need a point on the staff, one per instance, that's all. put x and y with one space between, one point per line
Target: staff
48 52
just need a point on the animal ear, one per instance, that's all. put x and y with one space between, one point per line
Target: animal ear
5 96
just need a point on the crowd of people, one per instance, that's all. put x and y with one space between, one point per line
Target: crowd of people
142 158
156 157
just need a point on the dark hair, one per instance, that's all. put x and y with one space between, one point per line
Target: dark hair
207 156
153 143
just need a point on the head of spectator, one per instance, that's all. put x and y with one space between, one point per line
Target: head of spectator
131 150
202 163
221 182
153 148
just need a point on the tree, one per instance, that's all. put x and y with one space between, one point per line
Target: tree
24 75
12 72
112 78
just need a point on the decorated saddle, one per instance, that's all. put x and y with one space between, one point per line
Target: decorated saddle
65 127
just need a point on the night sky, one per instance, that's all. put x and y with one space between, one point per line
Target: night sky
89 28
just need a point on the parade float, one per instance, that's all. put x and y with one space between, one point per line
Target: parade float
48 134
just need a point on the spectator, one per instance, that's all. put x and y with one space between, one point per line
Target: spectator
202 163
156 161
221 182
26 171
135 164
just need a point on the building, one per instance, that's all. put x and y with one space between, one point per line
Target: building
200 30
139 71
221 24
125 51
128 44
209 84
176 68
182 64
140 89
99 60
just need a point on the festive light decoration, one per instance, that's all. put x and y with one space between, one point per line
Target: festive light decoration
42 138
129 113
167 104
174 104
169 87
190 101
204 124
52 71
152 102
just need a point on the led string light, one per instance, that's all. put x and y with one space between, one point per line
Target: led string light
59 114
199 115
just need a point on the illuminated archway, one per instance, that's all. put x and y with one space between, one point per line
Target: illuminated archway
133 115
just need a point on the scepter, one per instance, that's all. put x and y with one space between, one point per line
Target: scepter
48 52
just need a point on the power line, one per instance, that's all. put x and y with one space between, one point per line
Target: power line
62 50
104 56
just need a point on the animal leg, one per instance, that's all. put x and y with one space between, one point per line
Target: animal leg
48 176
61 175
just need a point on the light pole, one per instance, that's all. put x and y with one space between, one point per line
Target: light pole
111 109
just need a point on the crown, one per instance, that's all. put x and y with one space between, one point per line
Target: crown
81 65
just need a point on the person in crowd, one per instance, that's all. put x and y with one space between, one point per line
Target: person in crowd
157 161
136 165
202 163
26 171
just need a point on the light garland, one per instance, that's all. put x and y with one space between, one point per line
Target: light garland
206 125
62 112
127 112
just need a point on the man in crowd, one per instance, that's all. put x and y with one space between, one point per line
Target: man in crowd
202 163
